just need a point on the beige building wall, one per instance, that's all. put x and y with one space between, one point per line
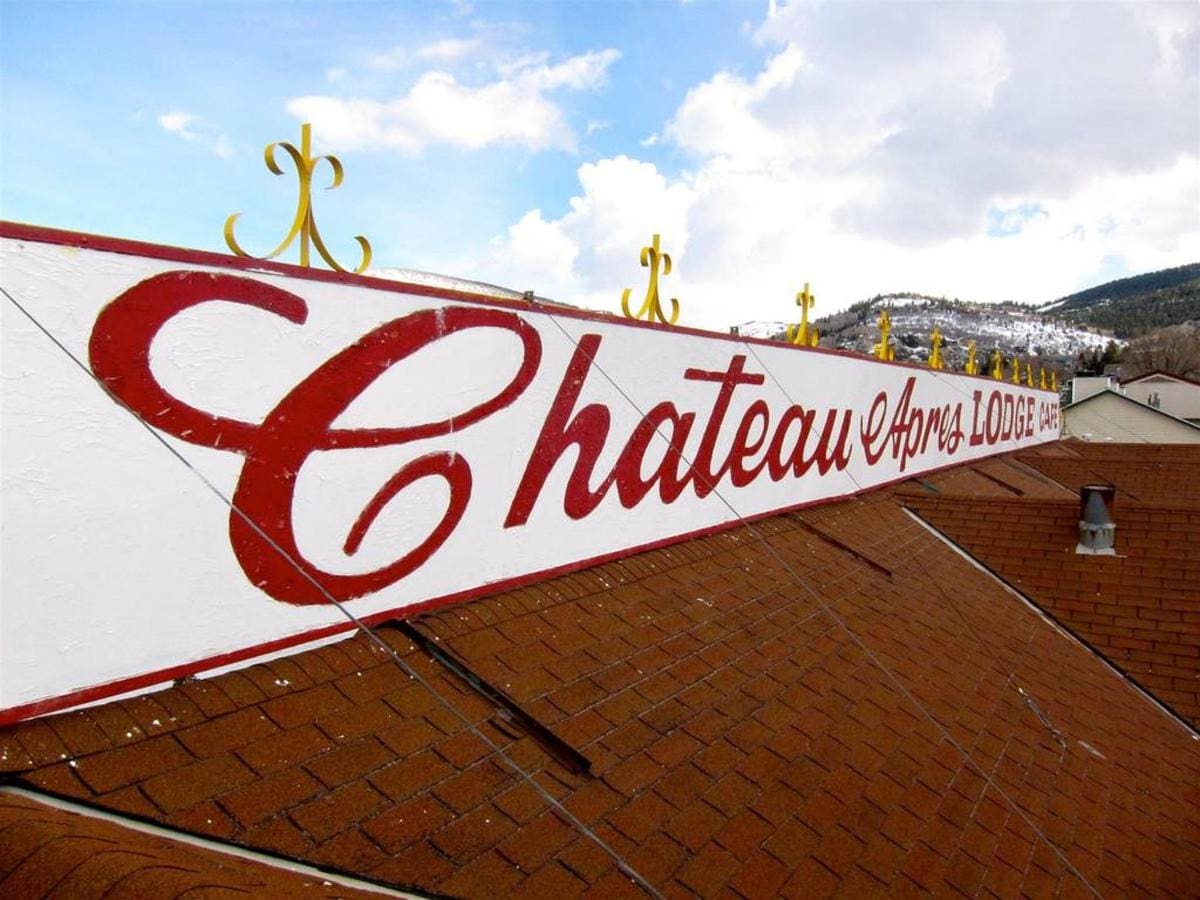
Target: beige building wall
1112 417
1177 397
1084 386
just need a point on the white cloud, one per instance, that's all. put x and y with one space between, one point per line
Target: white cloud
534 245
449 50
196 129
579 73
948 106
389 60
744 242
508 67
722 117
516 108
179 123
590 254
876 146
335 74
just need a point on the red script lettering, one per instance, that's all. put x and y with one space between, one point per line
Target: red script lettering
302 422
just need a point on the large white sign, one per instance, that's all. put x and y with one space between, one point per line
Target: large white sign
387 445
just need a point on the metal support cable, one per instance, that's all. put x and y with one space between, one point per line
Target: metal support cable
374 638
797 579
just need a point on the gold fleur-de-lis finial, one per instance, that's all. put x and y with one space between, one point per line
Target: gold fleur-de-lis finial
1028 374
1042 377
972 365
303 223
804 335
885 349
1054 381
651 307
935 349
997 365
1016 371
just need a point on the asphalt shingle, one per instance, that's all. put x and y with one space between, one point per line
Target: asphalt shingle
830 700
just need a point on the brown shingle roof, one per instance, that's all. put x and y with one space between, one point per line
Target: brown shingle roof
1158 474
1140 608
834 701
49 852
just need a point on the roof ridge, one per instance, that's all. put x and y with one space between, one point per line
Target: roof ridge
1154 372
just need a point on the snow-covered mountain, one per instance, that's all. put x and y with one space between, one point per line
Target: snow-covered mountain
1012 328
758 329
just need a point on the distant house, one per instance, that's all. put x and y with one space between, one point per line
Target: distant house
1172 394
1109 415
1084 386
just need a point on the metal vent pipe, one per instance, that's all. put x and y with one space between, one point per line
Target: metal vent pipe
1097 530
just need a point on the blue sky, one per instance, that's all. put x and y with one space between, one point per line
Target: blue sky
991 152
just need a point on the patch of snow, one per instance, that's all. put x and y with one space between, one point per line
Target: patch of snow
761 329
1001 327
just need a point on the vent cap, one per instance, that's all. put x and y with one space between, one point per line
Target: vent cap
1097 530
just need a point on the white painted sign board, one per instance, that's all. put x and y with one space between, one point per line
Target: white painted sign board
392 446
